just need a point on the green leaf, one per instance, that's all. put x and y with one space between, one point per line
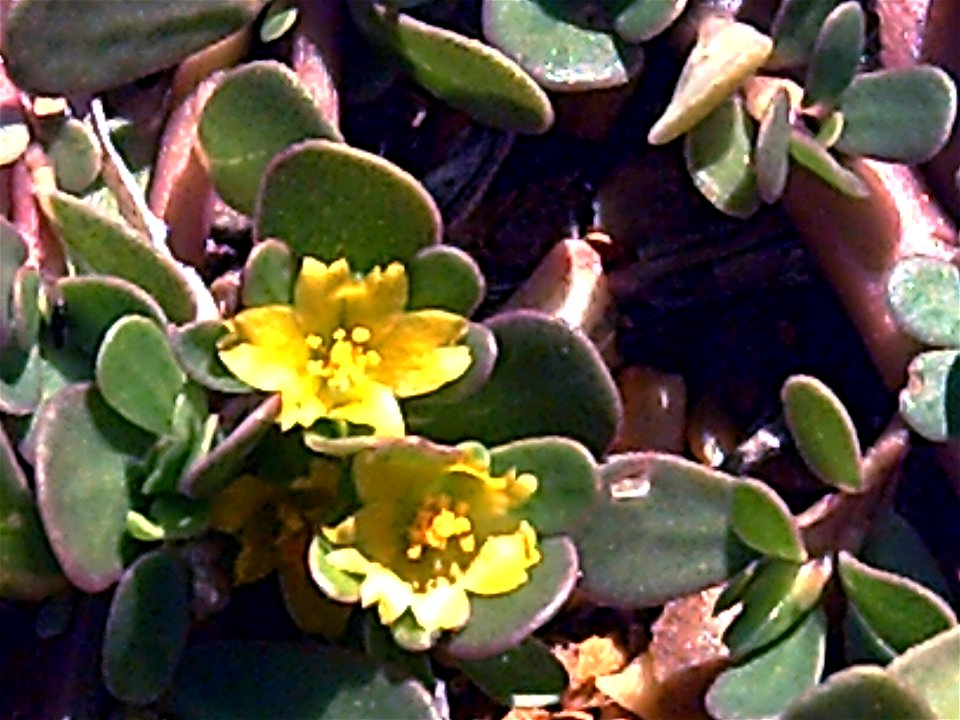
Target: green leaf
928 670
823 432
146 628
930 402
779 595
861 643
567 487
268 276
75 153
138 374
93 303
836 55
57 47
643 20
861 692
574 395
815 158
195 346
301 680
763 522
901 611
110 248
924 295
445 277
551 40
527 675
763 685
903 115
179 517
717 153
467 74
499 622
279 19
84 452
13 253
28 570
771 156
795 29
256 110
217 468
634 550
726 53
331 201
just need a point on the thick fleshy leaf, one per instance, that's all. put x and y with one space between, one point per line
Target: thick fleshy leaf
903 115
930 402
108 247
93 303
466 73
725 54
635 553
574 395
809 153
763 522
256 110
331 201
763 685
862 692
268 275
278 20
929 671
823 432
138 375
924 295
26 306
499 622
75 153
218 467
528 675
643 20
901 611
861 643
195 345
445 277
28 570
84 451
567 486
717 152
560 48
795 29
836 55
13 252
895 546
306 680
779 594
771 156
146 628
56 47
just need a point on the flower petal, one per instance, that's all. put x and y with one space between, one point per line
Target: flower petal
316 295
444 607
373 405
501 564
391 594
265 347
376 298
418 354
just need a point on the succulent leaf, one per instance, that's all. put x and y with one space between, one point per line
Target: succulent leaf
268 275
836 55
763 522
924 295
927 670
930 402
445 277
526 675
643 20
771 156
195 346
795 29
814 157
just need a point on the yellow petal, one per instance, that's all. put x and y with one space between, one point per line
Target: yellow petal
316 296
501 565
376 298
444 607
300 404
418 355
391 594
373 405
265 347
349 560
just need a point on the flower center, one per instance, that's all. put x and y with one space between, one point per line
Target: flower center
344 363
437 521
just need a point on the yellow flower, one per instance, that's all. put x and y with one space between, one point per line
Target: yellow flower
273 524
345 349
433 525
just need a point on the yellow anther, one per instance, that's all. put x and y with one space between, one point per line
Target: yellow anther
360 334
314 342
414 552
339 334
316 368
468 543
